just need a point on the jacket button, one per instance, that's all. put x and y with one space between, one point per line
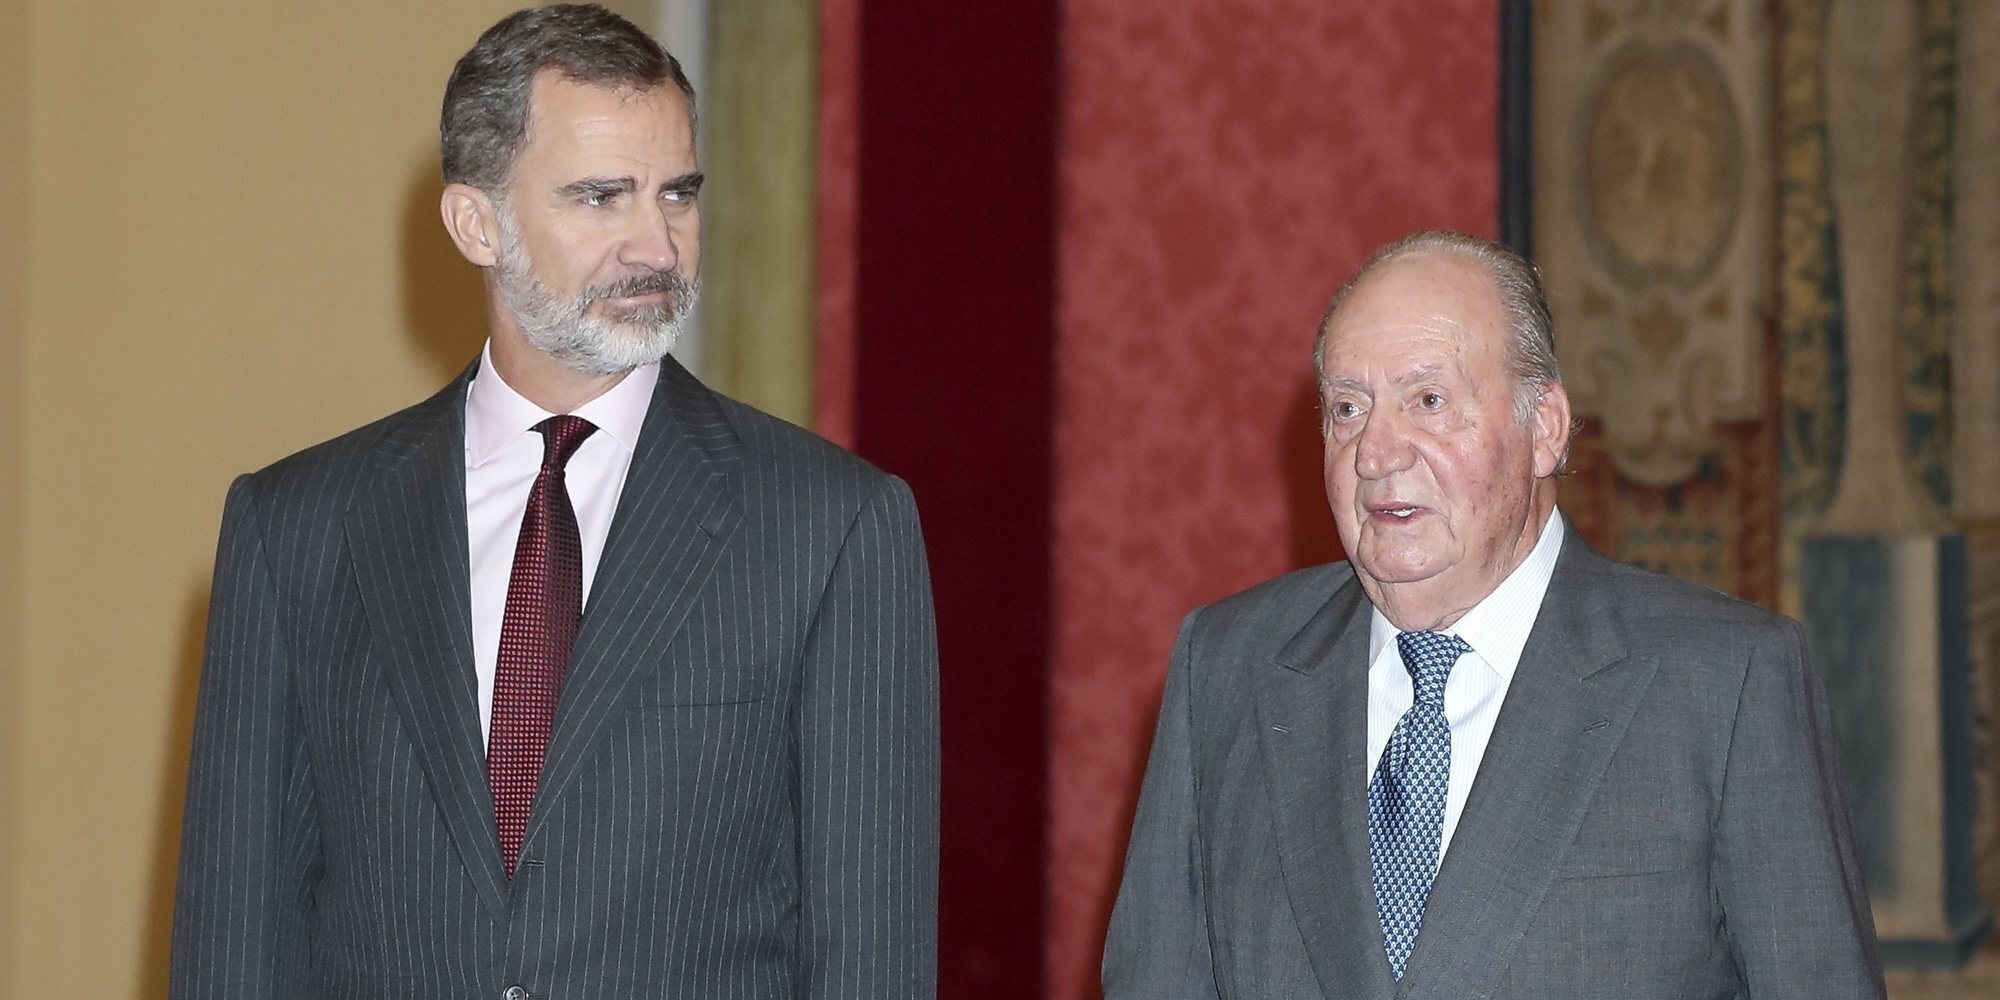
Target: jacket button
514 993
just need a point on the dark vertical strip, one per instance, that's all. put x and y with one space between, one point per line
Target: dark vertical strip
1517 157
955 331
1968 921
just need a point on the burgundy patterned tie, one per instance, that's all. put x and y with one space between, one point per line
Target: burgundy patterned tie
544 602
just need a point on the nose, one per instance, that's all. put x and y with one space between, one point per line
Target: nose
652 242
1383 445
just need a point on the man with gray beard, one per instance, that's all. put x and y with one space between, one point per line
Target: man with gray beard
567 330
576 679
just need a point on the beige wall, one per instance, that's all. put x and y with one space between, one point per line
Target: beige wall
231 251
14 54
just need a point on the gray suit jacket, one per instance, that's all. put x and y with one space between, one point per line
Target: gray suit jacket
740 795
1658 814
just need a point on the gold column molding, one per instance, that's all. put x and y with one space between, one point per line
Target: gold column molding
1652 200
1873 56
757 210
1976 262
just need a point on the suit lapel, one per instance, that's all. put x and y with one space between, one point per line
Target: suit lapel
408 537
1566 710
675 516
1312 715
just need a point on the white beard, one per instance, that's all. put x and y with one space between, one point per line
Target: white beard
565 329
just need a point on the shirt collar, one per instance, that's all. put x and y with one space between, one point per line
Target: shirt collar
495 415
1497 627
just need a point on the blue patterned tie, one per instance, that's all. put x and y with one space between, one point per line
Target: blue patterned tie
1406 799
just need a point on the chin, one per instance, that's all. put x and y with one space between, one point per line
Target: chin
1402 579
1396 564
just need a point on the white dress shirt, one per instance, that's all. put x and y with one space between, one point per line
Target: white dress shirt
503 454
1496 628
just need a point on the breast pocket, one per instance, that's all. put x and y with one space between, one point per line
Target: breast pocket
1612 859
687 686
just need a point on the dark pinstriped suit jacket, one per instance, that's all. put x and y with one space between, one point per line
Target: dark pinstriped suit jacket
740 795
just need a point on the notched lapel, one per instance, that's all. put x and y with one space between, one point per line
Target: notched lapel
1571 699
676 516
1312 718
408 537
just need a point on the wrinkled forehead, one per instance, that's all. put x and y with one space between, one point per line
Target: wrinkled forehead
1426 308
565 110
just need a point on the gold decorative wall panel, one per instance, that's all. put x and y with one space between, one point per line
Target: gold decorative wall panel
1652 206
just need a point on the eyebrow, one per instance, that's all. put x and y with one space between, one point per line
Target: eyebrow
1420 373
598 185
690 181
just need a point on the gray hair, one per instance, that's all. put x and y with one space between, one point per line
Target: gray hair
1531 352
485 119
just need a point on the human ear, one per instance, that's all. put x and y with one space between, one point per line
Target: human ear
471 222
1551 421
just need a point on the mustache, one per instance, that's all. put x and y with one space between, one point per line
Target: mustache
671 282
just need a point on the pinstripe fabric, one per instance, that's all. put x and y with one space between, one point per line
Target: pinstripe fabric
740 795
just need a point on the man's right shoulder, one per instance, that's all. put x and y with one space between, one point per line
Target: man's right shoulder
1272 612
338 464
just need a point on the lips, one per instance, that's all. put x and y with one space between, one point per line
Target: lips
650 298
643 298
1394 511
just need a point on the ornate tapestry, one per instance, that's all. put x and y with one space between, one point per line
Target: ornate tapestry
1772 240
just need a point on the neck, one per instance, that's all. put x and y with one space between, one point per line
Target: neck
1411 612
543 380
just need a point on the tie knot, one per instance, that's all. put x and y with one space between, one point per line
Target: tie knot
561 436
1429 656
